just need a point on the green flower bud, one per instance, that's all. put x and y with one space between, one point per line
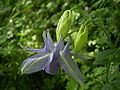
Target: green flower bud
80 39
64 23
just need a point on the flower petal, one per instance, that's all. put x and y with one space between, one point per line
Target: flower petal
71 68
32 50
36 63
59 46
35 50
46 47
81 56
53 67
66 48
50 41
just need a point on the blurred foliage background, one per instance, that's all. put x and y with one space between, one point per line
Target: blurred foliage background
23 21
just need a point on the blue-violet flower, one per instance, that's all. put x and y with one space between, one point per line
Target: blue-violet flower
51 57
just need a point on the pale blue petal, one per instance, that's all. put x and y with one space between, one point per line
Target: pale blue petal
53 67
36 63
49 45
71 68
81 56
36 50
46 47
32 50
59 46
66 48
68 64
50 41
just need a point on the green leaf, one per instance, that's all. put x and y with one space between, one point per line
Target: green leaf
103 57
109 86
71 85
117 56
116 83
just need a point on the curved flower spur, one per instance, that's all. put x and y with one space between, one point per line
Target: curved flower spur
51 57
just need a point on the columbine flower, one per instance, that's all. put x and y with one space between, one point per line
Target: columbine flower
51 57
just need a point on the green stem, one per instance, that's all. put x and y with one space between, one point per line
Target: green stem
78 87
105 31
69 34
107 72
117 39
108 67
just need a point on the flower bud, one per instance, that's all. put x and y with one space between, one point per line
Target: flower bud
64 23
80 39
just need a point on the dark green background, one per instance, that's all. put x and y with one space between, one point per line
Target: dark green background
23 21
